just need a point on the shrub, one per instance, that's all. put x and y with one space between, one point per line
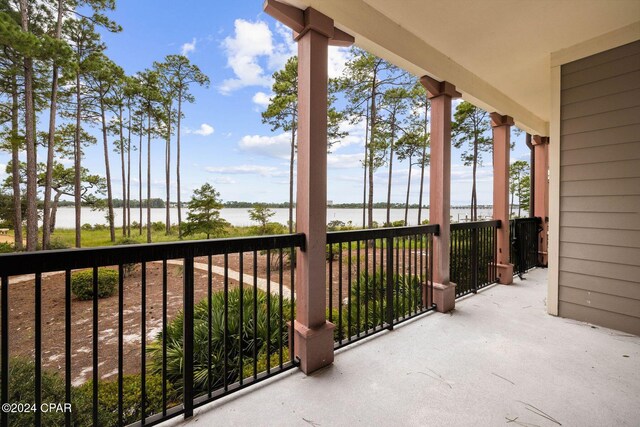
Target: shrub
57 243
158 226
399 223
288 256
335 225
6 248
82 283
334 253
236 344
87 227
131 400
135 224
99 227
274 362
21 390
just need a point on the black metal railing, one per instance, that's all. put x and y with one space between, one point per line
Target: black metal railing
472 255
524 244
378 278
188 322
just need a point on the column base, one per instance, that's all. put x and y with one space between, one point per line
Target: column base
505 273
313 347
444 296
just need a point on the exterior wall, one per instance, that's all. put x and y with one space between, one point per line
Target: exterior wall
599 230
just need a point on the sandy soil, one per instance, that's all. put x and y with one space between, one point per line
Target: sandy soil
22 303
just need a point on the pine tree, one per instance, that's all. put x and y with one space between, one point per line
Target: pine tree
470 129
364 80
181 74
204 213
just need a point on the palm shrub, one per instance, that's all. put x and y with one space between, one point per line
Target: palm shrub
368 298
239 338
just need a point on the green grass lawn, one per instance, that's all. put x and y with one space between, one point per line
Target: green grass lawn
66 237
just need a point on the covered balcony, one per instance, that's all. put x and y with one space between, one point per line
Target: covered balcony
457 340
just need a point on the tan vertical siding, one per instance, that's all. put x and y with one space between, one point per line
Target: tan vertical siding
599 279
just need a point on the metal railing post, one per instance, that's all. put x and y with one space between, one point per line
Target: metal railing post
474 259
187 336
390 284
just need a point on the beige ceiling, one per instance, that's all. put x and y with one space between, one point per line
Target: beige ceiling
497 52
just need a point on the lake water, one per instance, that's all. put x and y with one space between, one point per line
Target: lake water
240 217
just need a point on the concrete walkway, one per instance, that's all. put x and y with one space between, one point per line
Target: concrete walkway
498 359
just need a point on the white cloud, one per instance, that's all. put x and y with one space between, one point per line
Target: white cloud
338 57
3 173
277 146
266 171
283 50
355 135
344 161
250 41
261 99
224 180
187 48
204 130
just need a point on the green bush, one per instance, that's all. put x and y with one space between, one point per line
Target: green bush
369 300
57 243
158 226
274 362
131 400
334 253
82 283
6 248
86 227
399 223
236 343
22 387
99 227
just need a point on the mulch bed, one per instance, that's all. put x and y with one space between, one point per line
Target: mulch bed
22 319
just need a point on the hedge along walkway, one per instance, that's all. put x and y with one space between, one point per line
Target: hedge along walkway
234 275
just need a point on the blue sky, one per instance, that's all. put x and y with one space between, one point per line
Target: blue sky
224 141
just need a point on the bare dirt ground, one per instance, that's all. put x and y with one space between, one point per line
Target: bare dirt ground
22 308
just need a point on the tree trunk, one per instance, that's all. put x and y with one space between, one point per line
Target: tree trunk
168 173
513 193
140 177
15 166
291 160
129 174
46 214
77 155
178 163
149 177
54 211
390 173
112 229
364 176
424 162
372 151
30 141
124 180
406 204
474 200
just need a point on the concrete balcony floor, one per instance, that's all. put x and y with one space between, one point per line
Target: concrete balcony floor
497 359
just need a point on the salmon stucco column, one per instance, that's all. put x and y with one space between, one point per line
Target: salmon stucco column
441 94
501 149
541 194
312 333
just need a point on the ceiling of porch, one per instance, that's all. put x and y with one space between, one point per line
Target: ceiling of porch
496 52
